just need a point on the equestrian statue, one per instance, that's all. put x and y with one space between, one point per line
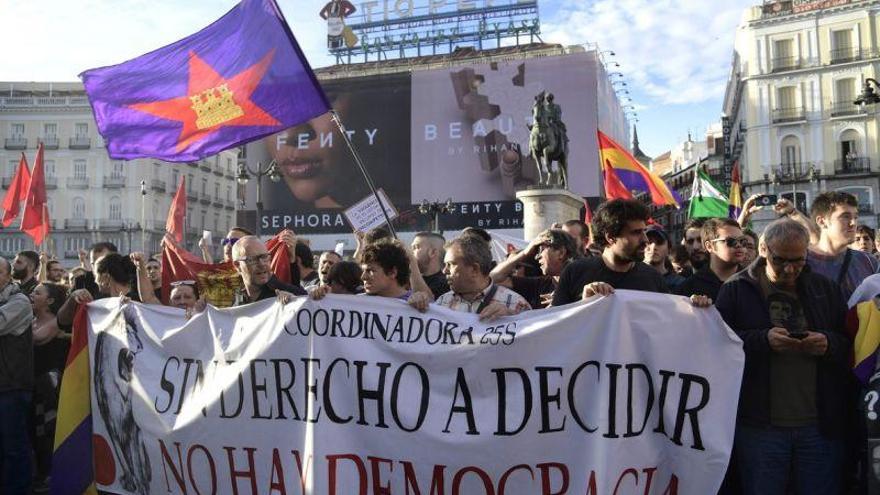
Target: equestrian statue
548 142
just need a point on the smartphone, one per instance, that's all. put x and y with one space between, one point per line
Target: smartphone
767 200
798 335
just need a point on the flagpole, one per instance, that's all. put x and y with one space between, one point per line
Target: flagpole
144 217
361 166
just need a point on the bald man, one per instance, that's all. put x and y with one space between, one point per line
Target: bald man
254 263
427 249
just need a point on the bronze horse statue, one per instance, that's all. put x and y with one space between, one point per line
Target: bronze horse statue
548 143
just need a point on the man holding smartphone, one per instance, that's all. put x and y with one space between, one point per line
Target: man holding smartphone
794 391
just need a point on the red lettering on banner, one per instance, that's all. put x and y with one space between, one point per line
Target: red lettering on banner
175 470
378 488
672 487
234 473
189 464
410 480
650 473
299 467
362 472
502 483
546 481
591 485
483 475
631 471
277 484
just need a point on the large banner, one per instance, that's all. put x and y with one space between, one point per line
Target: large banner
458 133
632 393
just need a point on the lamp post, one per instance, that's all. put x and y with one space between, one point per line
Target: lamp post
144 216
435 208
868 96
244 175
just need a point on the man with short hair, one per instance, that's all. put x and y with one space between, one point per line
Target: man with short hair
154 273
325 263
836 214
619 229
581 234
795 398
427 249
657 255
467 264
87 260
24 270
16 384
385 269
254 263
694 244
723 239
55 272
554 249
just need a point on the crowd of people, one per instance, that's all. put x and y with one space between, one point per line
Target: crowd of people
785 294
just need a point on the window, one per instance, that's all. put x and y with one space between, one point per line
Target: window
229 165
115 208
10 168
841 45
229 193
863 195
79 208
800 203
117 172
204 220
204 189
79 170
49 168
16 131
783 54
216 222
50 130
217 190
189 183
791 150
849 144
175 177
157 172
845 89
785 98
81 130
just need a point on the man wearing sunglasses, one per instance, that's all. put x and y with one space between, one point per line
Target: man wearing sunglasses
795 398
254 263
723 239
234 234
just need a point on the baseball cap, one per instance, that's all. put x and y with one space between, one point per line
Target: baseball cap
657 231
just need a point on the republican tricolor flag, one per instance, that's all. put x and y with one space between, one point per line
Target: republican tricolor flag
633 175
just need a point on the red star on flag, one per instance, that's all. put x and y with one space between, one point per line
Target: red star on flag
212 94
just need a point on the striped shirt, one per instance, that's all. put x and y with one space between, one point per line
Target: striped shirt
510 299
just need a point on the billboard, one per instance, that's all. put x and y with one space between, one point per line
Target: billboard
458 132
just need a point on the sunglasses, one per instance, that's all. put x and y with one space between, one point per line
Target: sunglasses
779 261
228 241
178 283
733 242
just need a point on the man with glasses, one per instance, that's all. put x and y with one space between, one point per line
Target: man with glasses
254 263
723 239
234 234
554 249
794 401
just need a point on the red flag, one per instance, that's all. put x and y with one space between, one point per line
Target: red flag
15 194
614 188
588 213
174 224
35 220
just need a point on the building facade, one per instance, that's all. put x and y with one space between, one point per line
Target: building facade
93 198
797 68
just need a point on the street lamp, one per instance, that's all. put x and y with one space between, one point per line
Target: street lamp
144 216
868 96
435 208
244 175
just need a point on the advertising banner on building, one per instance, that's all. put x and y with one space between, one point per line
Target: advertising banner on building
357 395
460 132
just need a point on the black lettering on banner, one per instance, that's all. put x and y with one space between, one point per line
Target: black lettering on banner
328 405
256 388
661 400
377 395
612 400
423 399
547 398
240 382
311 387
571 399
166 385
467 408
631 368
690 412
282 388
501 378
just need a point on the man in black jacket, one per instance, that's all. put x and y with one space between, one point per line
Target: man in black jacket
254 263
795 390
723 239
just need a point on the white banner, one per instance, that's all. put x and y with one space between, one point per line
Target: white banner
632 393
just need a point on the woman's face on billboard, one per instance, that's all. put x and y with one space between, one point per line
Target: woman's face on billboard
310 156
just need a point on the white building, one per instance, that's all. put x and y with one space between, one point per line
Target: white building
797 67
91 197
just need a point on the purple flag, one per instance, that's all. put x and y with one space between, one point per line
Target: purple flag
241 78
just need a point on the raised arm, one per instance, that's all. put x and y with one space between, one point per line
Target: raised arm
144 285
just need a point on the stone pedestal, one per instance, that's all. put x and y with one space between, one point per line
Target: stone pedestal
544 207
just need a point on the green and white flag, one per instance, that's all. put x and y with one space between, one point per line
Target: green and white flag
707 200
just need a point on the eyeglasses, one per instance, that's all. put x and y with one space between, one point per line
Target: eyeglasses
178 283
732 242
228 241
775 260
256 260
692 240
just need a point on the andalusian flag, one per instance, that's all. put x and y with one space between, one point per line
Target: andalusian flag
736 202
707 200
634 175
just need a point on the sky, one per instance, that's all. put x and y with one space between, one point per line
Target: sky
675 55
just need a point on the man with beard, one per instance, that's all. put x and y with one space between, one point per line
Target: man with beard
619 229
427 249
657 255
694 244
24 271
724 240
554 249
581 234
254 263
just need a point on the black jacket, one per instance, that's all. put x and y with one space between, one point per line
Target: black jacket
704 283
742 305
268 291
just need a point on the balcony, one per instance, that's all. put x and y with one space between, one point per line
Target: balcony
78 182
192 164
846 108
71 255
76 223
782 64
229 204
230 174
788 172
218 171
16 143
157 185
114 181
782 115
111 223
7 181
51 182
204 199
50 142
217 202
80 143
854 165
191 194
204 165
850 54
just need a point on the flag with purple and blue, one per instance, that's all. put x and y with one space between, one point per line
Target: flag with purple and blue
239 79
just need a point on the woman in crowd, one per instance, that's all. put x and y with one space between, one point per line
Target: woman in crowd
344 277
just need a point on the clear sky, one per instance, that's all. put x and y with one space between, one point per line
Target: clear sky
675 54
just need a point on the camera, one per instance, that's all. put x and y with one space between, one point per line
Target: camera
767 200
